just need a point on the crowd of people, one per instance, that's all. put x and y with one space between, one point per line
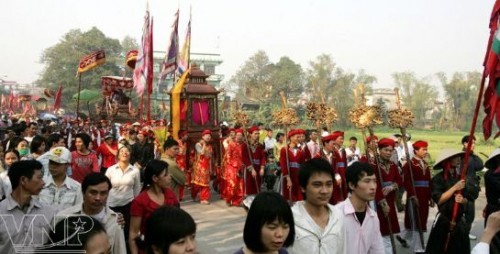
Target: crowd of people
119 190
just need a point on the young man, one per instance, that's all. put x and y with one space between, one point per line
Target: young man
340 164
171 148
202 168
418 195
312 145
328 155
256 154
291 157
360 221
352 152
83 160
60 191
31 131
17 232
387 188
142 151
269 141
54 140
95 190
319 226
475 165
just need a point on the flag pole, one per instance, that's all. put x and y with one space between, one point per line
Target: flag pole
78 96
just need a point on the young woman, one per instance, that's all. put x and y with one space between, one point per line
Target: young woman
170 230
21 145
155 193
445 187
10 156
269 229
125 179
37 147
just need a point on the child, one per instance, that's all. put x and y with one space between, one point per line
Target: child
271 174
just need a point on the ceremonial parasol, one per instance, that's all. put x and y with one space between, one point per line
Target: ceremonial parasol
47 116
87 95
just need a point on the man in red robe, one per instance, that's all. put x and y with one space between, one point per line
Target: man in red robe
327 153
419 195
235 165
291 157
202 168
340 164
387 188
256 154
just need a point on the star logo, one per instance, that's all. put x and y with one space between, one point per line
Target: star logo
79 225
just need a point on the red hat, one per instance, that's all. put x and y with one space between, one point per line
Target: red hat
205 132
182 134
419 144
386 142
337 134
369 138
292 133
238 131
253 129
301 131
145 133
328 138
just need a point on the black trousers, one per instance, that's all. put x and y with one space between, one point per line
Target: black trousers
125 210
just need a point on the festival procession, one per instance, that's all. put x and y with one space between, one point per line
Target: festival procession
149 156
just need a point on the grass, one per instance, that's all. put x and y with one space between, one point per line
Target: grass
437 140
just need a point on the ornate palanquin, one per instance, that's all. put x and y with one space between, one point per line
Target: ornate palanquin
199 111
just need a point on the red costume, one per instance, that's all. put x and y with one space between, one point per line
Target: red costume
421 178
202 169
258 154
235 165
296 157
390 177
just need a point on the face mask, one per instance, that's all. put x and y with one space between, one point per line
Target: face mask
23 152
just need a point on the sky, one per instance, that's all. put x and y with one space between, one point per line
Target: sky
380 36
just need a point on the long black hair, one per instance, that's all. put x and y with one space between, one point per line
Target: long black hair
153 168
265 208
166 225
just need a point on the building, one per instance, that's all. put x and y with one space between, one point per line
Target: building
386 94
207 62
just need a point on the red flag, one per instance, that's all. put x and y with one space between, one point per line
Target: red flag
57 99
143 72
150 59
491 101
12 101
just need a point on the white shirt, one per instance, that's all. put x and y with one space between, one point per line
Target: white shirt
356 154
126 185
22 229
481 248
313 148
365 238
109 220
269 143
310 238
67 195
5 185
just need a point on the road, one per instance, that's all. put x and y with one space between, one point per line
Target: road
220 228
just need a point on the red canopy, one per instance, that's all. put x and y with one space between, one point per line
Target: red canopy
111 83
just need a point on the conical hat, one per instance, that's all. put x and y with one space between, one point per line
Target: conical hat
490 161
446 154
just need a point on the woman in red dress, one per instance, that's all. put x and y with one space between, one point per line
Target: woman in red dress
154 194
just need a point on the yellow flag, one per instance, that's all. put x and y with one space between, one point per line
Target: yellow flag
176 104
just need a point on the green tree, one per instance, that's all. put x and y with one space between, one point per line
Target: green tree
417 95
61 62
286 76
128 43
253 78
461 91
